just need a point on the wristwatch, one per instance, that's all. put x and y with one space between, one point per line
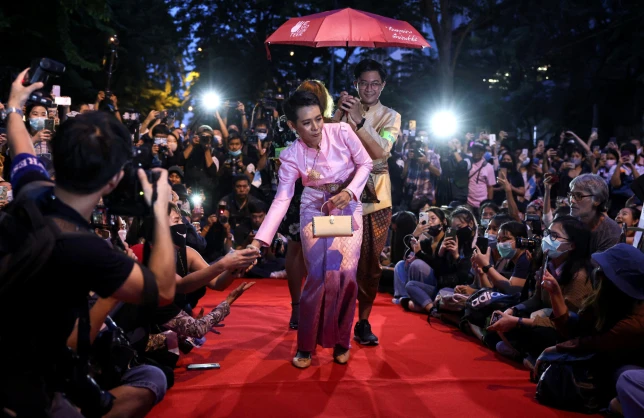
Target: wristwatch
9 110
487 268
359 125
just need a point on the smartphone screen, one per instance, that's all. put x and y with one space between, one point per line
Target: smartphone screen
482 243
49 125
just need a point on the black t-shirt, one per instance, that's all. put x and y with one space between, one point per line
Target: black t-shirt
46 312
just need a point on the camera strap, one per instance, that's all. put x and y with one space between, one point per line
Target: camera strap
83 340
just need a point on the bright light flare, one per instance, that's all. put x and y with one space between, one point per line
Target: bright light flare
197 200
443 124
211 100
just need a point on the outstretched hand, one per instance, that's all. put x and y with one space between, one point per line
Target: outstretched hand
235 294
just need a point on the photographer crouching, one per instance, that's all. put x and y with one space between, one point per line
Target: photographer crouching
53 260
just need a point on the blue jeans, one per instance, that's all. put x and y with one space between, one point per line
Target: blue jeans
630 392
416 272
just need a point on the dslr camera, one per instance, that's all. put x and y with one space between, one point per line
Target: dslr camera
43 70
128 198
529 244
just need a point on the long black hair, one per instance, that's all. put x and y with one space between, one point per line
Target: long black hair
579 257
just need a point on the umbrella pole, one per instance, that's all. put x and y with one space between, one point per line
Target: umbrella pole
332 72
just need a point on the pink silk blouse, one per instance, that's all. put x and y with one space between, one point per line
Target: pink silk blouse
341 156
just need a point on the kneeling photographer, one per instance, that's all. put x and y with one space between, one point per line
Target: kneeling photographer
52 260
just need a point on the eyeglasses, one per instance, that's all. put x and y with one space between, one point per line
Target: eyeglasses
553 235
375 85
577 196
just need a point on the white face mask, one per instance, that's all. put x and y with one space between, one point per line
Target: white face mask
610 163
172 146
262 136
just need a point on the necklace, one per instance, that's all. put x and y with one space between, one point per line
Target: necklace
312 173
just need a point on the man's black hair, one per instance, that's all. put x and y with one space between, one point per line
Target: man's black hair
89 150
298 100
240 177
160 130
257 206
233 135
369 65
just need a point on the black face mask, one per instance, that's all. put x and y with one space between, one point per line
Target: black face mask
464 234
178 233
434 230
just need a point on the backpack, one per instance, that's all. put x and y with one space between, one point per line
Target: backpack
448 301
28 238
484 302
570 382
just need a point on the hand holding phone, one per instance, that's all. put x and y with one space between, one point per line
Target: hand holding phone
495 318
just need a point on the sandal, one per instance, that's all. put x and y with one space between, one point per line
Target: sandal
295 315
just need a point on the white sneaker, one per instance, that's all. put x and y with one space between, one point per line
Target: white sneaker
278 274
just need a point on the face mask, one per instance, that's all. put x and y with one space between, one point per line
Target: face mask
506 250
610 163
506 165
235 153
172 146
434 230
464 234
551 247
526 162
485 222
576 161
262 136
491 239
487 155
178 233
37 124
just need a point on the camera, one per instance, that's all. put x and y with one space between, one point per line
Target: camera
537 226
205 139
83 390
44 71
528 243
128 198
223 219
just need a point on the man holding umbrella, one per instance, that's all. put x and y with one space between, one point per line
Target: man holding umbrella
377 126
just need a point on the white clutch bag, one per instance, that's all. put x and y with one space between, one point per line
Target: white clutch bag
332 225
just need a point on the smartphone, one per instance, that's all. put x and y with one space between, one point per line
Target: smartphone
492 138
450 233
63 101
593 130
482 243
406 132
4 193
495 318
524 151
596 148
626 153
203 366
423 218
49 125
554 178
412 125
160 141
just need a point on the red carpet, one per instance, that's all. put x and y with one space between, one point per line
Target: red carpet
418 370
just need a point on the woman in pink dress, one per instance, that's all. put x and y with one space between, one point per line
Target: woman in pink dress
334 167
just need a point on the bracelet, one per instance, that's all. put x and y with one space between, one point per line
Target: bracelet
361 124
350 193
520 322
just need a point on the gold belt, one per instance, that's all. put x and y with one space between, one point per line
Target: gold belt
332 188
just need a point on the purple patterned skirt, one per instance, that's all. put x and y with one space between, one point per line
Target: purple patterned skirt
328 302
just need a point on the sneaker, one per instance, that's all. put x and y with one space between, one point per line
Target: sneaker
395 301
506 350
278 274
362 333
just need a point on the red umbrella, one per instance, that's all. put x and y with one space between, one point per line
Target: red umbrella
346 27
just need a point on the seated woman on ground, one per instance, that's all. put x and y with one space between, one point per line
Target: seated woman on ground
628 217
528 327
610 322
419 265
451 264
488 275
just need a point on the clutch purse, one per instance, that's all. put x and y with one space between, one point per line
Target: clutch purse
332 225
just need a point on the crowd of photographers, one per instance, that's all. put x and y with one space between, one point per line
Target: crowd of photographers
479 216
529 247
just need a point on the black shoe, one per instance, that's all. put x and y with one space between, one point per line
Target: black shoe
362 333
295 316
